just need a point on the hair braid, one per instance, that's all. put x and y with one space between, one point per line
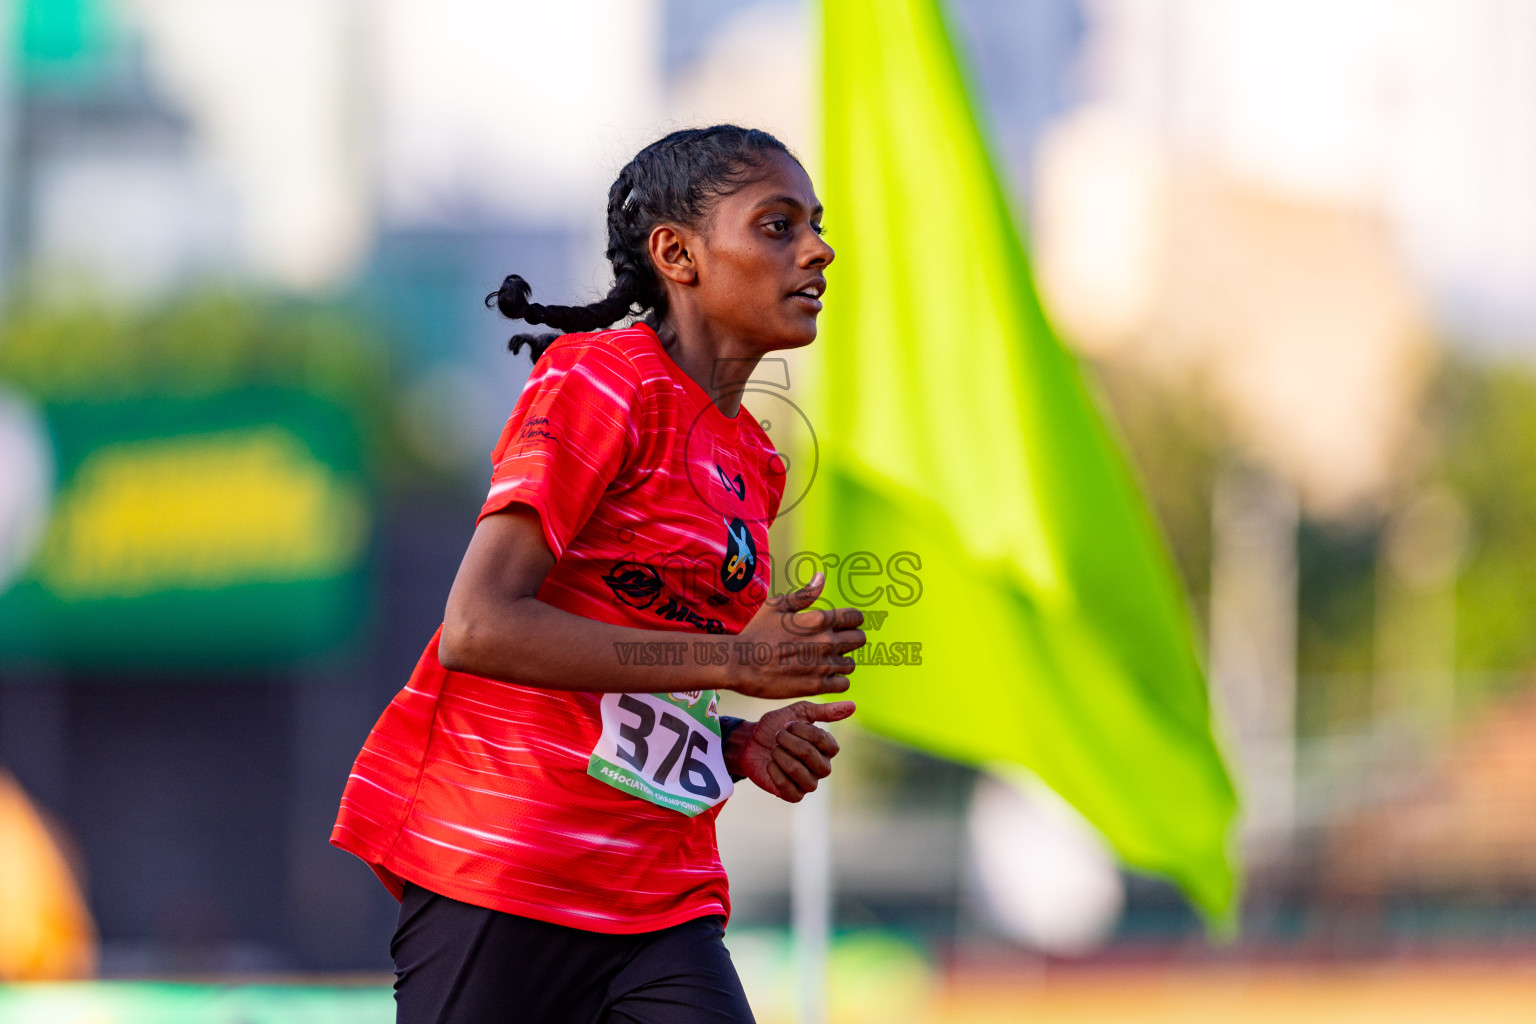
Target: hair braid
512 300
676 179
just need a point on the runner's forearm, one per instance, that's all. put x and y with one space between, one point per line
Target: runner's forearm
535 644
495 626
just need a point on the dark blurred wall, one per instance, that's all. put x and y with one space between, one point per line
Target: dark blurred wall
201 804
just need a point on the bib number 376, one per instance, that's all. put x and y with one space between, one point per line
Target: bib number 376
664 748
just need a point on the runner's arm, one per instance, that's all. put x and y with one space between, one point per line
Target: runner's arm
495 626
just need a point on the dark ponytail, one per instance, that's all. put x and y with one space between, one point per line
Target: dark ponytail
676 179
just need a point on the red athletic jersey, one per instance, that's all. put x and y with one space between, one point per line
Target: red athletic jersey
656 507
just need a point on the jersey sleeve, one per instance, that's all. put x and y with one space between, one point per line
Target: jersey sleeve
571 434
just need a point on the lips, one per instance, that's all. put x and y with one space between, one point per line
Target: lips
810 293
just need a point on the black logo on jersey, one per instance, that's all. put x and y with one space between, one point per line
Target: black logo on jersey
739 488
634 583
740 563
535 430
675 611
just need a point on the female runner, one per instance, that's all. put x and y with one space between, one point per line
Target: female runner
542 795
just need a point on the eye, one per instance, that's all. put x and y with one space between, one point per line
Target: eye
819 228
777 225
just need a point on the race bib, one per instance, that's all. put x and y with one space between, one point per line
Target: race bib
664 748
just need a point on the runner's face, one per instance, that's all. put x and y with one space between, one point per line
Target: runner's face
761 258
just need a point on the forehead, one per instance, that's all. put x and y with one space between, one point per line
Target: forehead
779 176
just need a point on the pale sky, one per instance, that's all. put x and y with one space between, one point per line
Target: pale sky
1420 111
322 114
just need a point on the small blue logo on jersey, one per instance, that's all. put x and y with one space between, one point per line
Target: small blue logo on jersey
740 556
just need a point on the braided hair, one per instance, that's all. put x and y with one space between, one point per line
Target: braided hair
676 179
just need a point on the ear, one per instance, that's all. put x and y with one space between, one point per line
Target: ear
671 254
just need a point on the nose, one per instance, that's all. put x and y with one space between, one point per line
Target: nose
818 254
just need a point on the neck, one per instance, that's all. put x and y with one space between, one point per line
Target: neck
719 363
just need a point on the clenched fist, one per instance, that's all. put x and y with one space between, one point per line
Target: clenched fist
785 752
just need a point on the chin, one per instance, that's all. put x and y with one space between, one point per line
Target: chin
798 338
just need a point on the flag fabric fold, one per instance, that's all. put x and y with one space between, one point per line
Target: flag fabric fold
953 426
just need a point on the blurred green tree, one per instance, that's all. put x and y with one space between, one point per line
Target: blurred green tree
1484 413
1480 432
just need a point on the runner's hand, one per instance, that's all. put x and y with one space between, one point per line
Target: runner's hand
784 752
807 647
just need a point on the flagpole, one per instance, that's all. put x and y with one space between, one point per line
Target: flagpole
811 902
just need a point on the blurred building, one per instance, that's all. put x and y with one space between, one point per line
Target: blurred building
103 185
1421 114
1459 827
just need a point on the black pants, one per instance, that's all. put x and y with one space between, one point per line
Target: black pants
460 964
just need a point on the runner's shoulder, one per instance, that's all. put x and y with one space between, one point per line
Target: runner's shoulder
616 357
633 345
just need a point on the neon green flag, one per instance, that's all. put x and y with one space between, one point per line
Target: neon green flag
954 427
